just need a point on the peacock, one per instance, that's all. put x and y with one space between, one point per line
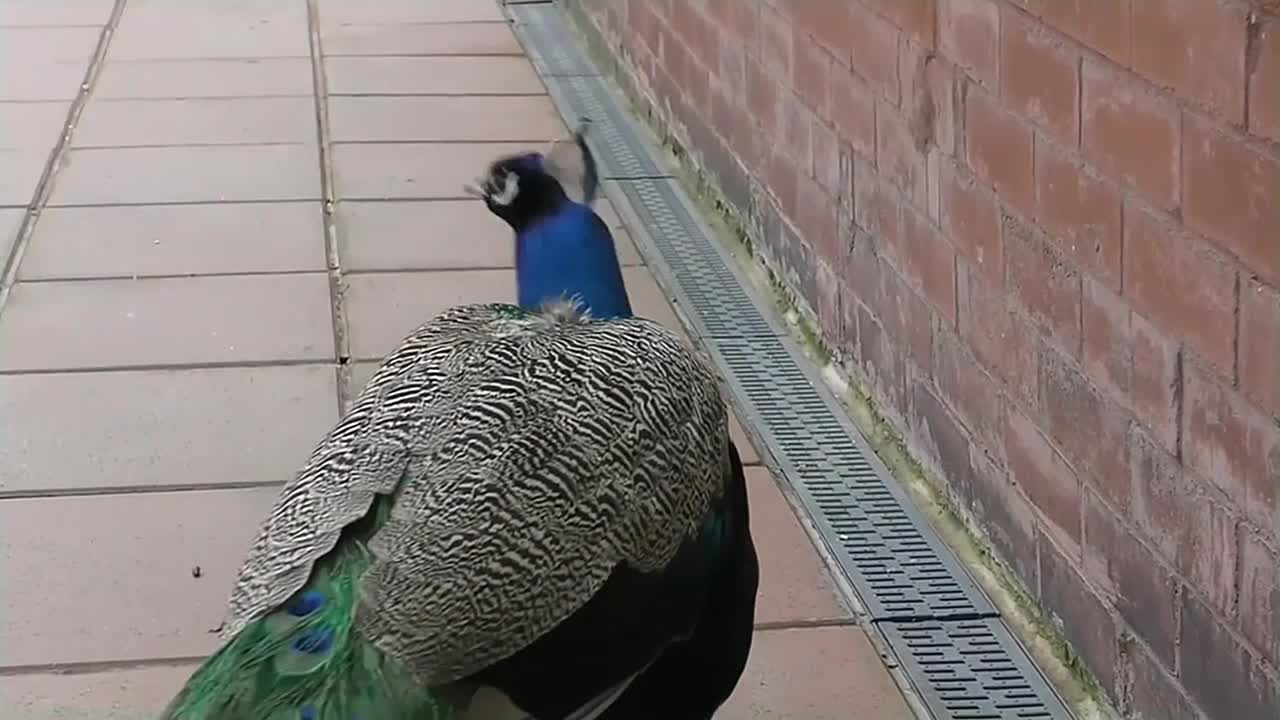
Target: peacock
563 248
522 511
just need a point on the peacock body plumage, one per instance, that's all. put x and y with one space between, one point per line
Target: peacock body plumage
563 249
518 501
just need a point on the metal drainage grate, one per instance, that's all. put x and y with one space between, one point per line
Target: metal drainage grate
716 301
974 670
544 27
947 636
899 567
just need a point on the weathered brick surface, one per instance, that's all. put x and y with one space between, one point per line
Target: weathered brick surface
1047 232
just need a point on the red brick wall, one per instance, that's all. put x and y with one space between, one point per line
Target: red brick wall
1047 232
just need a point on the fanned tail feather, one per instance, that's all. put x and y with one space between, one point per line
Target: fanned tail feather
305 661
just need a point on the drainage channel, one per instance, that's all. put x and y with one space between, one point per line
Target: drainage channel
948 638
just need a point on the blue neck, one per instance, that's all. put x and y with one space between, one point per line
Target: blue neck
571 253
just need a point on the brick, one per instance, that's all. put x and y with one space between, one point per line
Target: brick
1082 616
928 262
825 165
1107 333
970 217
967 387
1081 211
899 157
1229 194
1217 669
816 221
741 20
1154 692
928 96
1130 133
1040 281
1157 382
1189 528
1260 343
999 148
1044 476
1005 516
777 37
1090 429
700 37
1142 588
1228 441
1103 25
762 98
1195 47
853 111
870 43
880 363
969 34
1260 595
811 68
905 316
1039 76
877 206
916 18
1002 340
1264 81
1172 279
945 442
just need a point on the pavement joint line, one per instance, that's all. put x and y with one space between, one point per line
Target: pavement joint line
139 277
170 203
144 367
324 140
110 490
44 187
373 94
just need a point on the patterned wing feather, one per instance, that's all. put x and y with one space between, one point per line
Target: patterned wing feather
528 456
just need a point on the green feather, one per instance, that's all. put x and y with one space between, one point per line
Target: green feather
264 674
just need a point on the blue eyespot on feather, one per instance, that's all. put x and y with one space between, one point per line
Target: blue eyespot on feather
307 603
315 641
308 713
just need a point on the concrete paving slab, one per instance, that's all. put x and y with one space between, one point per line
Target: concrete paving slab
407 11
383 308
479 38
436 75
22 45
135 596
166 321
129 694
440 235
20 171
142 240
259 77
187 174
10 221
43 81
439 118
157 428
31 125
162 29
795 586
20 13
413 170
223 121
815 674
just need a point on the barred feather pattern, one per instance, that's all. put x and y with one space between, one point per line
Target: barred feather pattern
528 453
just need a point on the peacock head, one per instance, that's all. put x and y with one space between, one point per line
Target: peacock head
518 189
523 187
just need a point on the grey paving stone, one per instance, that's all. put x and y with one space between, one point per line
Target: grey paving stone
413 170
142 240
166 321
122 123
188 174
480 38
157 428
408 11
433 75
32 126
445 118
162 29
205 79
